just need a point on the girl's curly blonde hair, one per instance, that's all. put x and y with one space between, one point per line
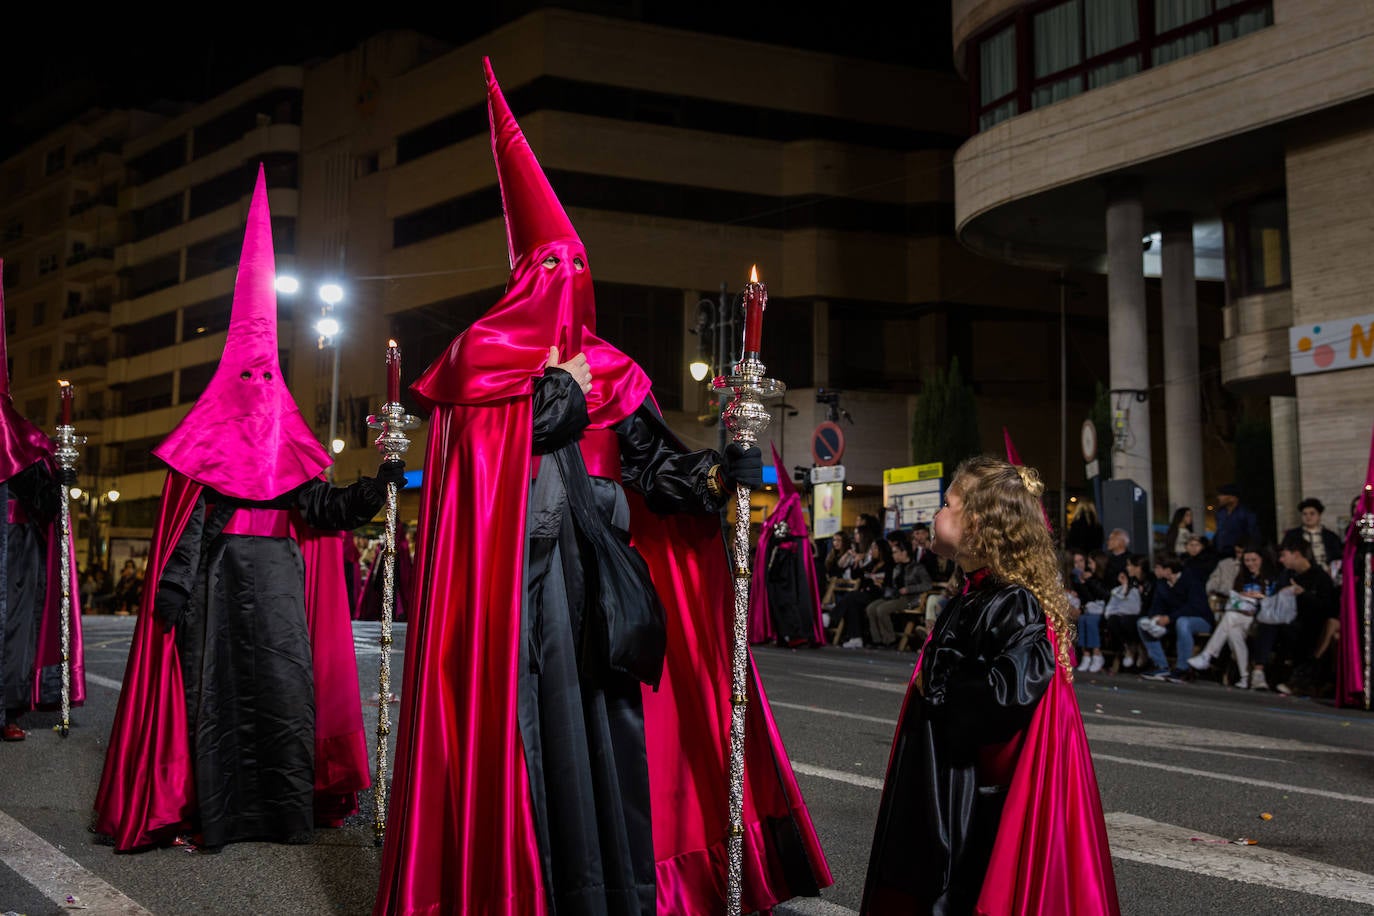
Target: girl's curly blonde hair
1006 528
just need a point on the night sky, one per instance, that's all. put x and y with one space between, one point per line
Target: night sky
52 73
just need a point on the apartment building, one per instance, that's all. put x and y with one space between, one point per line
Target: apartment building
1103 123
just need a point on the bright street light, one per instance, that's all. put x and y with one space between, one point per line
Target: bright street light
331 293
288 284
328 327
338 445
113 495
698 368
75 492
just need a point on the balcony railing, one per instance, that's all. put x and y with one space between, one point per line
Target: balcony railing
87 254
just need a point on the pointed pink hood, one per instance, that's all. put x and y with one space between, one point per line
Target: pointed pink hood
245 436
21 442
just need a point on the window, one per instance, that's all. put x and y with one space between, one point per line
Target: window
158 161
150 334
1050 51
14 230
47 263
157 217
12 274
194 380
208 317
73 299
34 409
135 456
55 161
40 313
213 254
147 394
1256 235
40 359
151 276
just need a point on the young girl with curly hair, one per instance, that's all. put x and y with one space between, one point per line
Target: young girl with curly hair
990 803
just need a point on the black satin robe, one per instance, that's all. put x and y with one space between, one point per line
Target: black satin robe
789 590
985 667
583 734
24 581
244 647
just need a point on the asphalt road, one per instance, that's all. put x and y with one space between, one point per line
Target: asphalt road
1182 769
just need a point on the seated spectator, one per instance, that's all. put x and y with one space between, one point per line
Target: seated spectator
922 553
1179 604
1257 580
1118 551
127 589
1221 579
842 570
905 591
1134 591
1180 530
1093 593
851 607
1199 556
1326 544
1306 639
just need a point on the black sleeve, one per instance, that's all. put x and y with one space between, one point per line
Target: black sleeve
985 698
330 508
654 463
38 492
179 572
560 411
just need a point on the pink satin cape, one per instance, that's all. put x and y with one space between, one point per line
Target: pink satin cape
21 442
460 837
1349 658
788 509
147 789
1051 854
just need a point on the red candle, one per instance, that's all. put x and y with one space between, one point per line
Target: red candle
393 372
66 389
755 301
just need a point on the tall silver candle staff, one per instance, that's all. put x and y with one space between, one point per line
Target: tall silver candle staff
392 441
745 417
1365 525
66 454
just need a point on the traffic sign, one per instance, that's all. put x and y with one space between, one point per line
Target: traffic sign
827 444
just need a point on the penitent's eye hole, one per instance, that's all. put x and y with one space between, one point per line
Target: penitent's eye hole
578 265
550 262
267 376
245 375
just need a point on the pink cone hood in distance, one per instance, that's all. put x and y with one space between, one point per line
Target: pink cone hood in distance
21 442
245 436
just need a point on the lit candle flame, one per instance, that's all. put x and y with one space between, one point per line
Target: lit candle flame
754 274
393 344
63 383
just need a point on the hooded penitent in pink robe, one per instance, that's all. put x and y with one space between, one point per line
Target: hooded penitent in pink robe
531 775
1354 654
240 715
30 571
788 610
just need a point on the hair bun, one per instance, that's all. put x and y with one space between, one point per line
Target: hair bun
1031 479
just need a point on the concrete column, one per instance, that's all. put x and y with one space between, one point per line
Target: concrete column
1127 337
1283 422
1182 404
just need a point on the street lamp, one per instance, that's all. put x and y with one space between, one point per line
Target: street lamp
715 331
329 328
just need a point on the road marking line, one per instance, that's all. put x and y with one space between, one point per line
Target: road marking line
865 782
813 906
56 874
1140 839
777 704
101 680
860 682
1227 777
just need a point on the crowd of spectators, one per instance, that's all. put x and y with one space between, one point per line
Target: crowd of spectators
1264 617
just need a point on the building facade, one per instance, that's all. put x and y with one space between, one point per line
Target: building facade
1103 124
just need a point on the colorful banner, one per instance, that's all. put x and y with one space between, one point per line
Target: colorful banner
1341 343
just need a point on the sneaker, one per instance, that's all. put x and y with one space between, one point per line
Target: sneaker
1200 662
1284 689
1242 683
825 619
1155 674
1257 681
1180 675
1096 666
1084 662
856 643
1127 660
